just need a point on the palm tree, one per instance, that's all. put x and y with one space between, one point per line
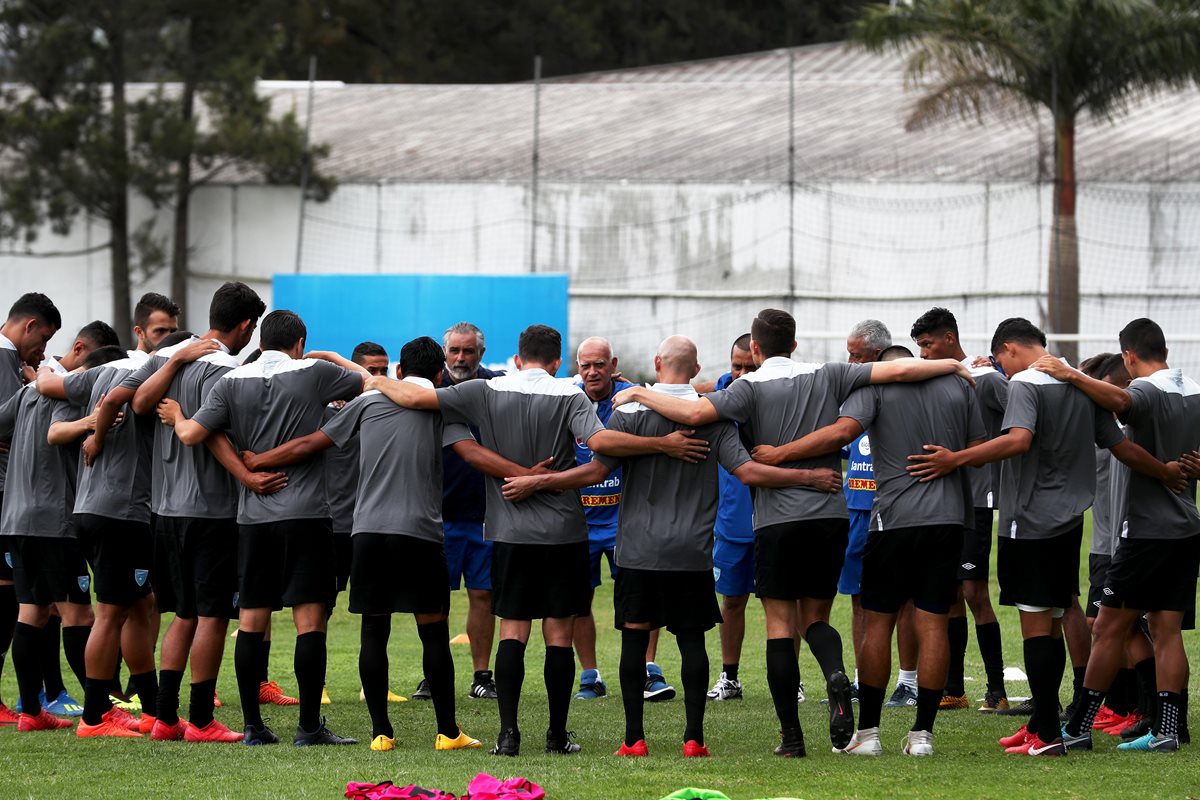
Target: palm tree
1065 56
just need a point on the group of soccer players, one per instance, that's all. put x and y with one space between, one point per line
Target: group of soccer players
178 478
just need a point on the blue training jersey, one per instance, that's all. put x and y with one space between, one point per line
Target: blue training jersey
462 485
735 509
860 476
602 501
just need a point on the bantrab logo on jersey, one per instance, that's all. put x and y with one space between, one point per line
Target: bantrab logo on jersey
140 576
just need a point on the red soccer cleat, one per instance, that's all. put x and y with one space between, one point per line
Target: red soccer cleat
691 749
269 693
638 749
119 716
212 732
146 723
42 721
106 728
216 700
1118 722
1017 739
1103 718
162 732
7 715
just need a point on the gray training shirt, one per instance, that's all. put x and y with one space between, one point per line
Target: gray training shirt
117 485
991 395
1104 533
901 418
782 401
1164 418
268 403
400 451
39 497
187 481
1045 490
668 506
10 384
527 417
341 477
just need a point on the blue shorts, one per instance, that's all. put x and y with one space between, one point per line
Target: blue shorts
733 567
850 581
602 542
467 555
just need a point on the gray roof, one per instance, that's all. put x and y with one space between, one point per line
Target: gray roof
720 120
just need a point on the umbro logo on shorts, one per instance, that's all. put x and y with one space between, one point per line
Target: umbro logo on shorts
1096 603
84 582
1108 591
140 575
968 565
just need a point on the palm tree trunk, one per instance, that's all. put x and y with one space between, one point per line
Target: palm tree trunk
1063 311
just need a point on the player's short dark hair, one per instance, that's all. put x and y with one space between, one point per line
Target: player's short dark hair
280 330
151 302
935 320
540 344
422 358
172 339
367 349
741 343
1105 365
37 306
99 334
232 304
894 352
1091 365
1017 330
103 355
775 332
1144 338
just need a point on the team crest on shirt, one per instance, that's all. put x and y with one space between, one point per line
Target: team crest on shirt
140 575
8 560
716 573
85 583
864 446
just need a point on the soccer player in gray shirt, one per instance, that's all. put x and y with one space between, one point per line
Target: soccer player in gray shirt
665 539
800 535
31 321
280 397
540 557
916 535
1048 481
1154 567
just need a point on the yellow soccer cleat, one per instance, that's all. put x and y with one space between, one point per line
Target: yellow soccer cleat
325 701
392 697
382 744
460 742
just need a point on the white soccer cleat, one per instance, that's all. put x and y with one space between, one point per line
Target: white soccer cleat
917 743
864 742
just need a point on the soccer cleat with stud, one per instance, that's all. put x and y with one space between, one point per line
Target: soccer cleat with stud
1136 731
725 689
130 704
392 697
121 717
483 687
1152 743
993 703
66 706
269 693
917 743
256 735
383 744
105 728
7 715
460 742
1117 723
800 693
864 742
841 712
1053 748
146 723
41 721
1081 742
693 749
1021 709
422 692
657 689
591 687
320 737
561 744
953 702
791 743
637 750
162 732
508 743
212 732
1017 739
904 696
216 700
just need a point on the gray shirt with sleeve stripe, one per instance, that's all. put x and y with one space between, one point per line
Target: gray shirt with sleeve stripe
526 417
901 418
668 506
341 477
782 401
10 384
1164 418
991 394
1045 490
400 452
187 481
268 403
39 496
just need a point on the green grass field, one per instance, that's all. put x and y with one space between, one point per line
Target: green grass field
740 734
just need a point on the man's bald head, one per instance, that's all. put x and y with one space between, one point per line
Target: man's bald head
676 360
594 346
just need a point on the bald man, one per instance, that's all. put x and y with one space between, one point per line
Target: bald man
665 539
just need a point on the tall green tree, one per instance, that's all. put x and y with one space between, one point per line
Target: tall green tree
1070 57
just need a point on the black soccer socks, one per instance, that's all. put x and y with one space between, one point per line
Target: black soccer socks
373 671
956 631
1084 713
169 681
52 677
146 684
783 676
870 705
992 651
27 662
510 676
1045 658
928 701
95 700
438 666
826 645
245 666
693 673
200 703
264 661
632 674
309 667
74 639
559 675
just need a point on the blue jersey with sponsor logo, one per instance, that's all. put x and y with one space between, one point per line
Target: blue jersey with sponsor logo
735 510
602 501
860 475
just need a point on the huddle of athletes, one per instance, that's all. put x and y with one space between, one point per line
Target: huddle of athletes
193 483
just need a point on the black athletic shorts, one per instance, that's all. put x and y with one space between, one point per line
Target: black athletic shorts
1153 575
49 569
918 564
1040 572
677 601
286 563
200 556
6 572
541 581
392 573
974 563
160 573
343 553
1097 576
800 559
121 554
